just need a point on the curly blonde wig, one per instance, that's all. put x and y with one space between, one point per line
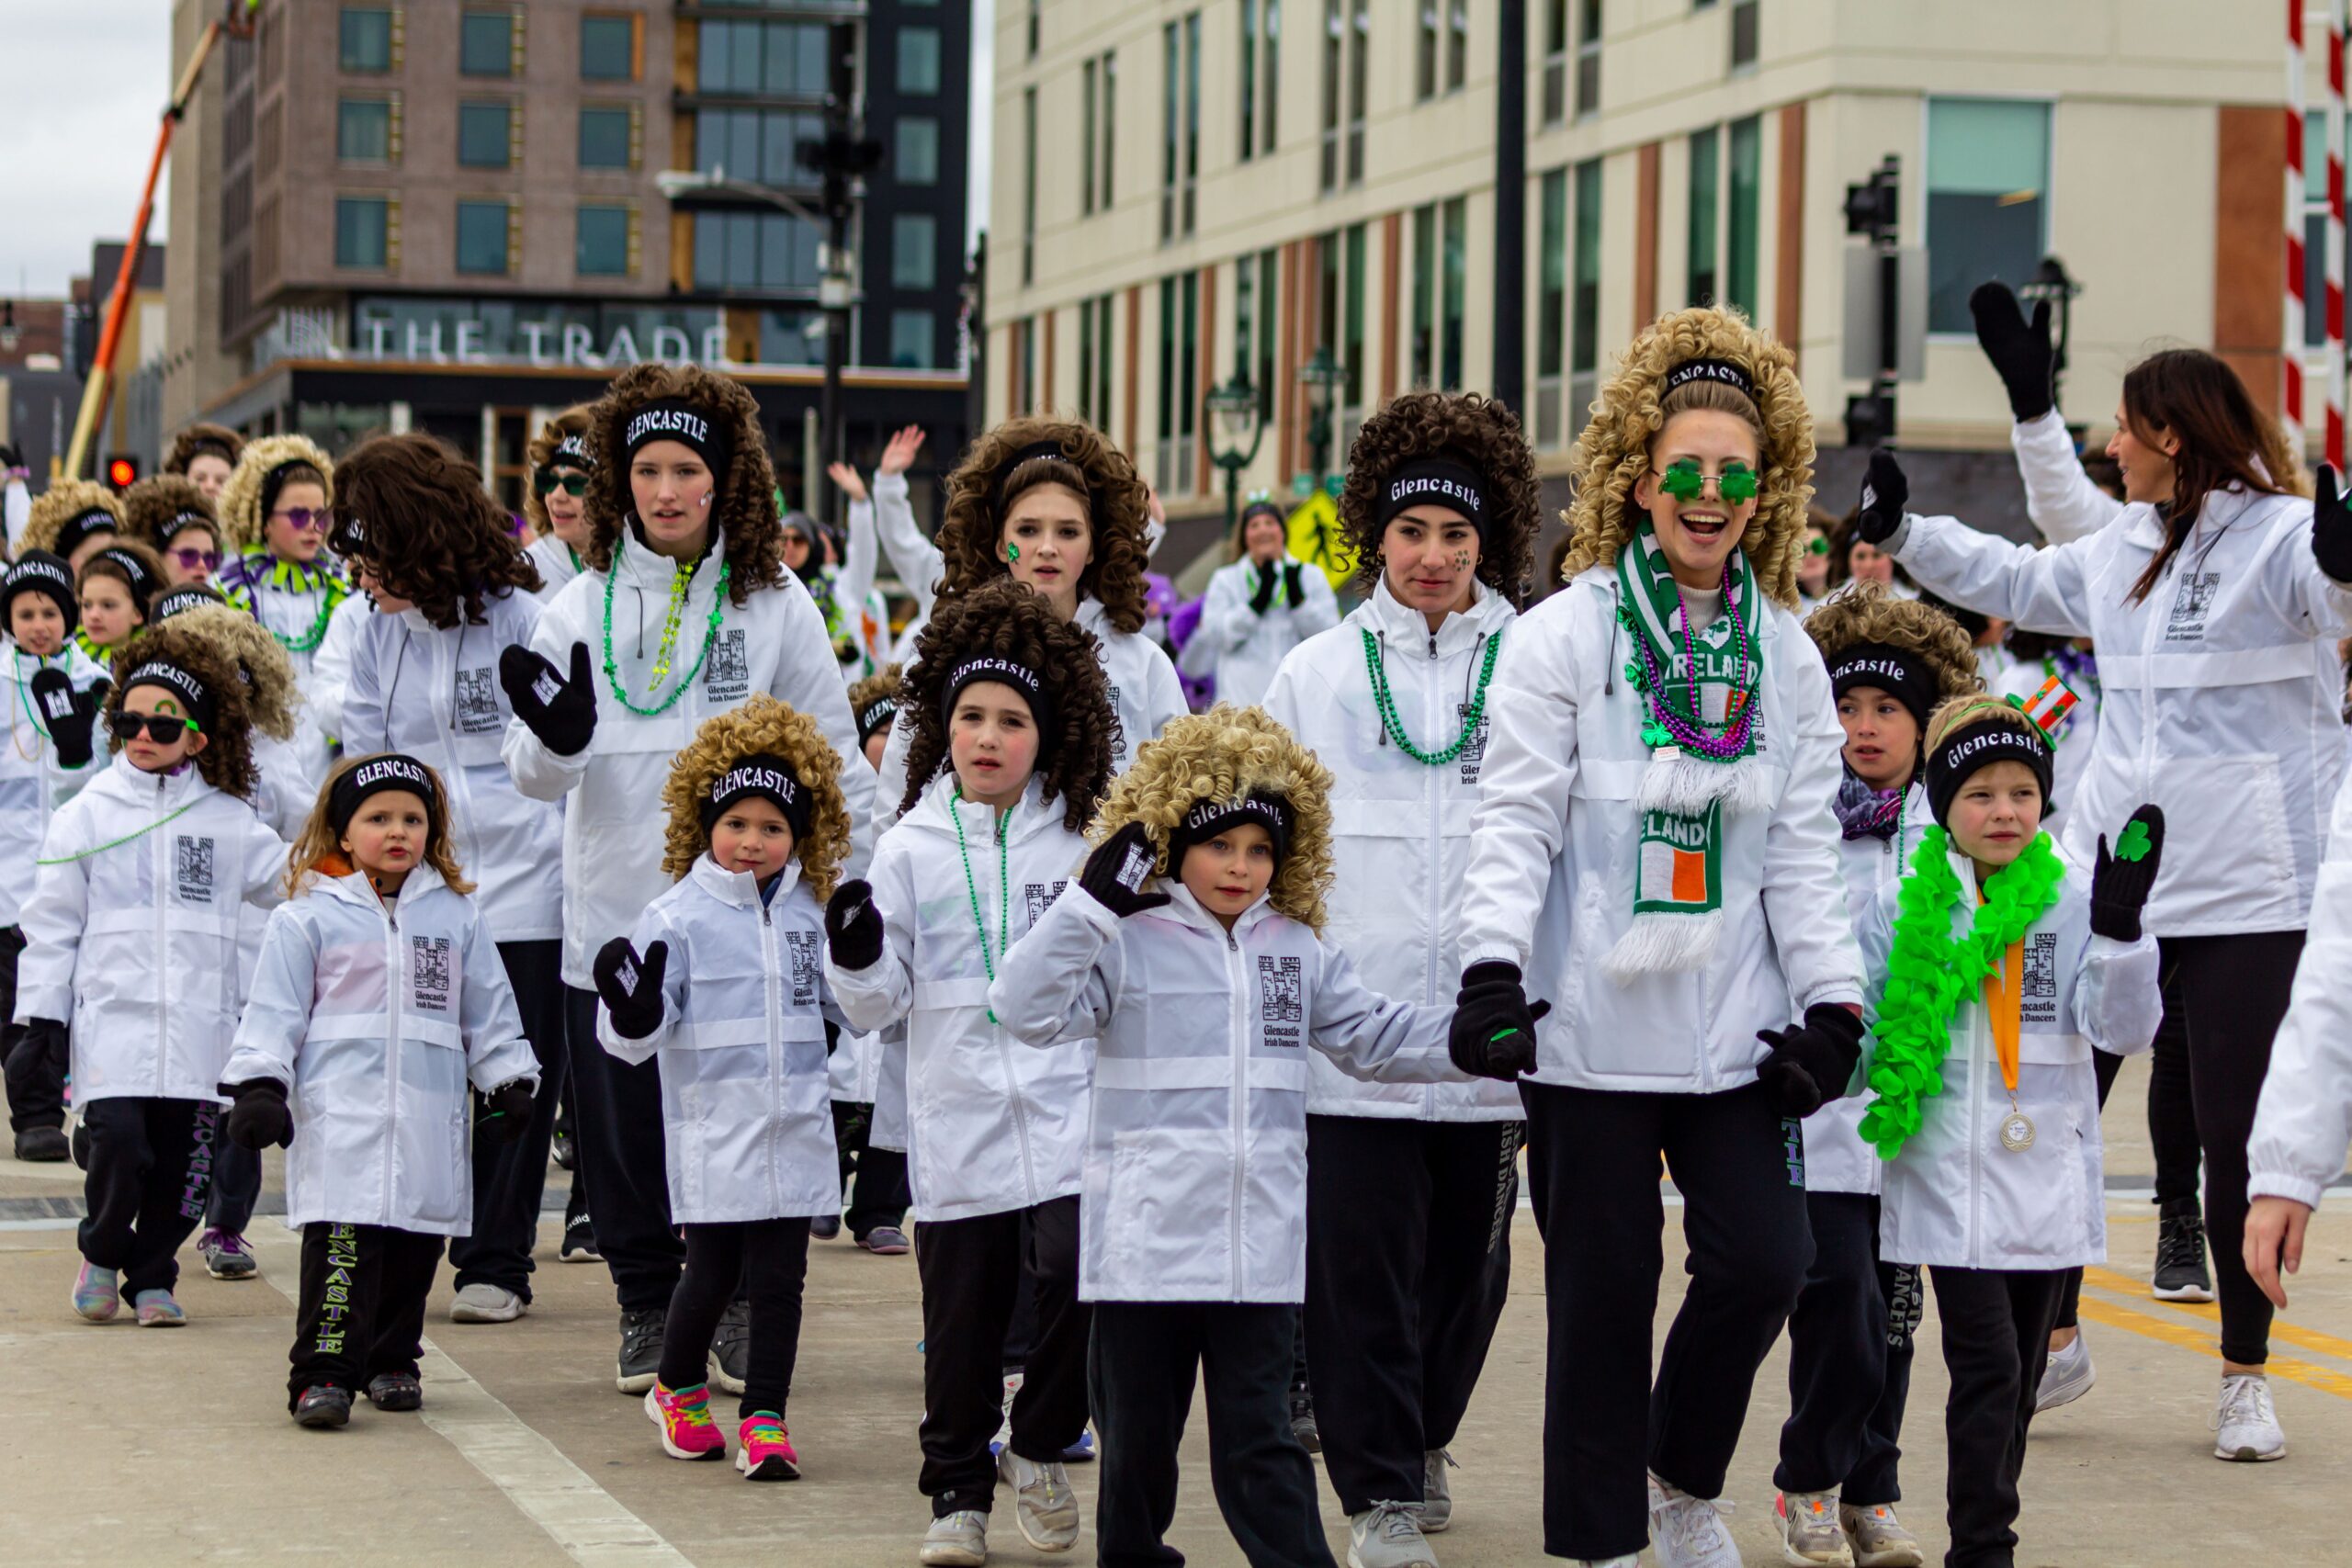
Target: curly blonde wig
1868 612
1614 451
574 421
60 504
1479 432
767 725
240 503
1117 506
743 504
271 691
1225 754
318 848
153 508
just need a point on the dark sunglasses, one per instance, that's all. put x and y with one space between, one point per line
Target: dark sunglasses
305 520
545 480
162 729
191 559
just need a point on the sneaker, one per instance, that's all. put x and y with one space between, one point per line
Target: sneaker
158 1310
483 1302
225 1255
322 1404
2066 1376
580 1241
1437 1491
1880 1540
640 1358
2180 1273
959 1540
1048 1510
763 1448
1388 1535
560 1149
1810 1532
886 1241
1080 1451
1688 1531
683 1415
1003 1438
395 1391
2244 1421
730 1347
825 1227
41 1145
1302 1420
97 1293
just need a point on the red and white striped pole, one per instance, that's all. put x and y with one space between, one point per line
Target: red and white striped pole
2336 29
2290 341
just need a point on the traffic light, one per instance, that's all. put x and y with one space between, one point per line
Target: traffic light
122 472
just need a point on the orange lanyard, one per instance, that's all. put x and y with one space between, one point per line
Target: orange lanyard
2004 1000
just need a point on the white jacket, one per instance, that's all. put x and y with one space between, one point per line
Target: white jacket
2305 1118
918 561
134 946
991 1125
1954 1195
434 694
329 674
1242 647
556 562
1550 887
377 1019
32 782
2219 694
612 825
746 1118
1196 1154
2060 499
1400 829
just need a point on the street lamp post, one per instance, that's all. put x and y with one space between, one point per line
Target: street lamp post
1321 376
1232 420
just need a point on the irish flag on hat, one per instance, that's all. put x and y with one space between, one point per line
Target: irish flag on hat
2049 708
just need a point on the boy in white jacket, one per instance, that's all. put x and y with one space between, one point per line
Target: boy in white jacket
1260 605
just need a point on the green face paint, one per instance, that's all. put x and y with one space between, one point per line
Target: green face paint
1011 551
1684 481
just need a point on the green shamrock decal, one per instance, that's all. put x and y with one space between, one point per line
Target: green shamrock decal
2133 846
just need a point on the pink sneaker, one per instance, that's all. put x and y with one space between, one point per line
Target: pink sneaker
683 1415
763 1448
97 1293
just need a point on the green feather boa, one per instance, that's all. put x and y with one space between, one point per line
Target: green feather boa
1930 975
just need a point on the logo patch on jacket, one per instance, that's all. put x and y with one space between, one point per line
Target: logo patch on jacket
477 703
2190 605
2040 989
1039 897
193 866
1281 1003
802 946
429 971
727 675
1473 748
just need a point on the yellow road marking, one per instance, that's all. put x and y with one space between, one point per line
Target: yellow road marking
2293 1334
2179 1334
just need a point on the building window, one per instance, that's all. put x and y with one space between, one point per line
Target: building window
1424 339
1747 137
1269 326
486 43
1988 187
2316 211
483 236
605 139
366 37
1457 43
1261 84
1588 57
1455 302
1440 292
915 151
1425 62
1552 307
1269 49
914 249
1341 326
1359 78
1099 123
1181 127
759 145
1705 178
363 130
1248 93
1028 186
1180 303
360 230
608 49
1443 61
1345 75
603 242
911 333
1744 22
485 135
754 251
1584 295
1335 39
1028 365
1035 7
780 59
919 61
1085 133
1555 60
1094 361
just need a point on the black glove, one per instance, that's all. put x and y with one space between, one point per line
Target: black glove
1116 870
631 986
72 716
1885 493
507 1108
2119 882
2331 533
1264 596
853 926
1294 588
562 713
2019 350
1493 1033
259 1117
1811 1063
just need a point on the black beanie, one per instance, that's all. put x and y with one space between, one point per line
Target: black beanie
1899 673
375 776
37 571
1975 746
771 778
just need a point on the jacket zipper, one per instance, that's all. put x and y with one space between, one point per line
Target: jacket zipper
395 982
1239 1017
162 992
775 1043
1433 687
1004 1045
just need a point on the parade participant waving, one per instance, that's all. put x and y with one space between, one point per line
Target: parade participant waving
1257 608
72 518
887 512
1655 852
682 612
555 503
1406 1272
171 517
275 511
2215 600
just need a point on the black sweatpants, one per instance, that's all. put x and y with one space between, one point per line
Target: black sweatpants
1995 1325
2234 991
236 1187
971 1271
1592 1161
771 1258
873 1180
510 1177
361 1313
1140 1367
2172 1103
619 1149
150 1165
35 1077
1407 1268
2104 1066
1849 1358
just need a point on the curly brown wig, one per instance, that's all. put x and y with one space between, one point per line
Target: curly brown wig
744 511
761 724
1007 620
199 439
227 760
318 848
1614 451
153 508
971 534
574 421
1866 612
271 692
1225 754
413 512
1476 432
304 462
59 504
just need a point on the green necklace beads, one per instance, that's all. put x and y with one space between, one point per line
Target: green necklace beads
163 821
681 577
971 889
1385 701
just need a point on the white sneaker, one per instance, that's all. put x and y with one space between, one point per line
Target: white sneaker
1046 1509
1437 1491
1388 1535
2244 1421
959 1540
1002 1441
1688 1531
1810 1533
2066 1376
487 1303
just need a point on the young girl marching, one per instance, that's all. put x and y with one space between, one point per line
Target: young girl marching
720 982
1655 853
1406 1266
275 512
1010 748
1996 966
171 517
1890 661
116 586
132 944
556 504
1259 606
1194 1202
379 995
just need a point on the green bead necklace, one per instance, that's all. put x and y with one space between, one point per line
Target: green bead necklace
1385 701
681 577
117 844
971 889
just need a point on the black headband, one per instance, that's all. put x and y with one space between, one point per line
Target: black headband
374 776
570 451
1898 671
275 481
181 599
142 581
1029 454
674 419
82 524
183 521
768 776
1261 507
181 683
41 572
877 715
1977 746
1434 481
1020 677
1210 817
1722 370
210 446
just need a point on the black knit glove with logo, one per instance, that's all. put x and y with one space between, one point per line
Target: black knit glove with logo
507 1108
1116 870
2119 882
2331 530
853 926
259 1118
1493 1034
1885 493
1294 586
70 716
1264 596
2020 350
631 986
1812 1063
562 713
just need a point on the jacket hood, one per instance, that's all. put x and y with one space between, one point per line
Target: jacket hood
354 888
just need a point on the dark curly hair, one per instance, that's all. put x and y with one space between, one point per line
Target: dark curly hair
1006 619
1484 436
197 440
151 507
227 760
745 509
1118 504
414 511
